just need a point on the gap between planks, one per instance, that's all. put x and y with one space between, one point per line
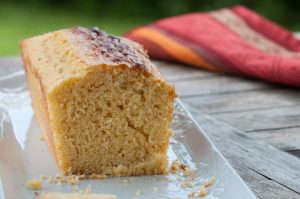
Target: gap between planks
287 139
255 111
253 120
261 186
244 100
256 154
279 127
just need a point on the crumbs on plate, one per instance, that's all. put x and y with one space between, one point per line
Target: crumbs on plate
178 167
203 190
34 184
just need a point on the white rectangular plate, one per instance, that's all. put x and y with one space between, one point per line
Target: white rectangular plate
23 155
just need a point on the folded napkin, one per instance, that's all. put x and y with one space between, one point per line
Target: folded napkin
235 40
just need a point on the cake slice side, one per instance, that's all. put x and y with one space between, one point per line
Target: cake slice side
47 61
38 96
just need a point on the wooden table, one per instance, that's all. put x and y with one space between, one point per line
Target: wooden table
256 125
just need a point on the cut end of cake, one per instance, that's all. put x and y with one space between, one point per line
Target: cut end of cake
113 121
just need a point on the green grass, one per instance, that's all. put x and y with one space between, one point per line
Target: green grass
19 22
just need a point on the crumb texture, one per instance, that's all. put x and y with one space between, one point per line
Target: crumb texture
122 117
108 114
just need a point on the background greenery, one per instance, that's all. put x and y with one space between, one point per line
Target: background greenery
24 18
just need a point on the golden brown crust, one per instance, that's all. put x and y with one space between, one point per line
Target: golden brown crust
98 47
38 97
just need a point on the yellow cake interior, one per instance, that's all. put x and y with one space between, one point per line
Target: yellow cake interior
112 121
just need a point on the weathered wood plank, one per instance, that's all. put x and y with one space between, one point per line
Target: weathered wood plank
217 84
286 138
260 157
272 190
261 186
248 175
263 119
295 152
253 99
177 72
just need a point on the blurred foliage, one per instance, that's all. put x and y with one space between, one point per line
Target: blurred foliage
19 22
285 12
24 18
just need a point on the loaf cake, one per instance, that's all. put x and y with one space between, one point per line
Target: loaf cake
104 107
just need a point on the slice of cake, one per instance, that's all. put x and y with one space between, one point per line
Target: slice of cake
105 108
54 195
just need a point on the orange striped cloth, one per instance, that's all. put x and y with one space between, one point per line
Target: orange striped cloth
235 40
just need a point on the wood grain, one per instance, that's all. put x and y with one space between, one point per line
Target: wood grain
272 190
176 72
287 139
255 154
243 101
262 186
263 119
215 85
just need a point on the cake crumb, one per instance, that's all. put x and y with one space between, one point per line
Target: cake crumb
178 167
93 176
60 178
73 180
34 184
203 191
82 176
96 176
210 182
187 171
191 195
175 166
187 184
70 179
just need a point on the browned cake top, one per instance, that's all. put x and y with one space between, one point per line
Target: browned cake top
101 48
63 54
110 46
